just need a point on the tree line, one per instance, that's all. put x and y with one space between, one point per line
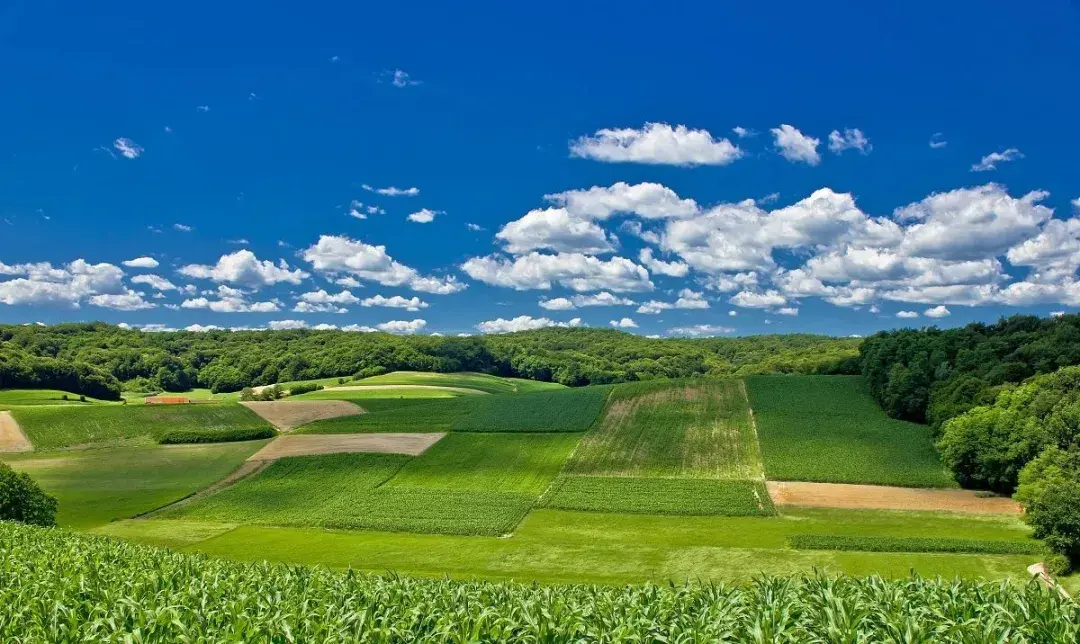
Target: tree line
100 360
1004 402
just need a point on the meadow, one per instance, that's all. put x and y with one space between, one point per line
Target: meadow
465 380
10 398
98 486
59 586
373 400
560 546
828 429
57 426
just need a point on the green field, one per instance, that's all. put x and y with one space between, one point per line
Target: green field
62 587
10 398
828 429
204 395
501 462
52 427
692 429
467 380
660 495
343 491
555 546
431 416
373 400
98 486
561 410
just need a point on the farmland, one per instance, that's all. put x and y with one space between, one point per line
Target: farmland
478 381
20 397
660 495
56 426
97 486
109 588
696 430
632 482
560 410
343 491
505 462
828 429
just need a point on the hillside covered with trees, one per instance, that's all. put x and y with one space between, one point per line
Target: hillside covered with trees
99 360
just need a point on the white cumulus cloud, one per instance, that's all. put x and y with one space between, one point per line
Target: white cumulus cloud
656 143
523 323
245 269
141 262
990 161
795 146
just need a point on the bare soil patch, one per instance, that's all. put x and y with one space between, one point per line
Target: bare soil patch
12 438
311 444
460 390
287 414
880 497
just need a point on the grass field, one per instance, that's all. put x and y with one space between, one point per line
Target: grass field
501 462
562 546
52 427
379 399
692 429
343 491
467 380
660 495
20 397
97 486
828 429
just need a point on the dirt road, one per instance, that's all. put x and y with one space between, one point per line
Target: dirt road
837 495
311 444
12 438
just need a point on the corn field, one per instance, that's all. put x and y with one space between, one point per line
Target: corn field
57 586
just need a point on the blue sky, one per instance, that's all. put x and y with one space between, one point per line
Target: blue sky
578 163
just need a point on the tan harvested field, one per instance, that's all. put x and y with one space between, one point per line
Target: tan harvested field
459 390
880 497
312 444
12 438
287 414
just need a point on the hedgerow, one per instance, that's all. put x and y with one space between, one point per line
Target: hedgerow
914 544
178 436
57 586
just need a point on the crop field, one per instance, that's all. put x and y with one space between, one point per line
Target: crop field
466 380
98 486
828 429
18 397
692 429
501 462
108 589
343 491
659 496
379 399
429 416
559 410
52 427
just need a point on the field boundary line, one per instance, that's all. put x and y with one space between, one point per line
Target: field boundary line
12 437
753 429
246 469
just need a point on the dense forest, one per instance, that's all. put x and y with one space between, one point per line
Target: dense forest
100 360
931 375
